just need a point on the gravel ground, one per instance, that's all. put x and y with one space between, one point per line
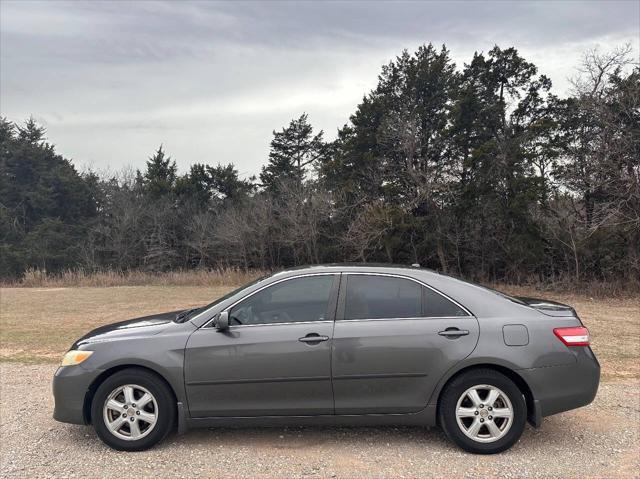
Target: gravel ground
601 440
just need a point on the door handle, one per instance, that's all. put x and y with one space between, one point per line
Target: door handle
453 333
313 338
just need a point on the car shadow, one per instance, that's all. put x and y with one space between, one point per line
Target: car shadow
310 437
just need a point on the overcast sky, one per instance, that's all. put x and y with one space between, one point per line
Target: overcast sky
112 80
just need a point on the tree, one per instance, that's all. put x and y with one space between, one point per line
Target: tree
477 170
499 100
205 184
227 185
600 165
194 188
159 178
45 204
293 150
394 154
117 239
201 237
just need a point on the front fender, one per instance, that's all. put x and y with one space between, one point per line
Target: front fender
161 353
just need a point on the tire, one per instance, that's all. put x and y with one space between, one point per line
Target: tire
137 426
461 411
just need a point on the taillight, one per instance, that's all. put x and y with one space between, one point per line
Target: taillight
576 336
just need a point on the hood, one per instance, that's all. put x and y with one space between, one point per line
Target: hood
138 327
548 307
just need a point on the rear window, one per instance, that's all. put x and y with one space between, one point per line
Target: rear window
437 306
385 297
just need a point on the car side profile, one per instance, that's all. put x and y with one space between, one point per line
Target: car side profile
335 344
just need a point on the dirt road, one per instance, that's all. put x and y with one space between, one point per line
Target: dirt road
601 440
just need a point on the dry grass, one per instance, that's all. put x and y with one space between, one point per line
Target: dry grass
568 286
37 278
39 324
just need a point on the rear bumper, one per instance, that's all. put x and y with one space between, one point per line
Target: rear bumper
562 388
70 387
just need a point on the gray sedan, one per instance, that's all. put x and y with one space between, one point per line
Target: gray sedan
334 344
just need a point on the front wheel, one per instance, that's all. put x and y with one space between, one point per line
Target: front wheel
483 411
133 410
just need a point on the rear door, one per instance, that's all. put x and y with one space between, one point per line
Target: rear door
393 340
275 358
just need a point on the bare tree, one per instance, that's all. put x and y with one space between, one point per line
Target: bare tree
602 156
370 231
302 210
200 237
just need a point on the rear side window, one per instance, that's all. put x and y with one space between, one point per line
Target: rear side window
385 297
377 297
437 306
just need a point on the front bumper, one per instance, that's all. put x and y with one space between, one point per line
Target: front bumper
70 388
562 388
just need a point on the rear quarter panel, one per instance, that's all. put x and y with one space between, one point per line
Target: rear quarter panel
542 350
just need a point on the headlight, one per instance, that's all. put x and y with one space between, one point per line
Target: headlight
74 357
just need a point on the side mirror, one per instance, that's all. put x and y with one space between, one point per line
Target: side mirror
222 321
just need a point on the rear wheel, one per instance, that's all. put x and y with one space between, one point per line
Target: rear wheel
483 411
132 410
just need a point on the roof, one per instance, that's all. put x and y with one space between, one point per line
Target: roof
357 267
477 299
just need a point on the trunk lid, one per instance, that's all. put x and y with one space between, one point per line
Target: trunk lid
548 307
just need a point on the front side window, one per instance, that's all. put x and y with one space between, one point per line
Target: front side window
377 297
292 301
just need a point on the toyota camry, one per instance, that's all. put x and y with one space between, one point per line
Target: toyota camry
336 344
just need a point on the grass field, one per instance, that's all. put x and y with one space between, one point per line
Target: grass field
39 324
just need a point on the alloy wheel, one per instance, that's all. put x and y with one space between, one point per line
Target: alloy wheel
130 412
484 413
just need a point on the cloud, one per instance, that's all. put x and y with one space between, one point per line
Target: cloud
112 80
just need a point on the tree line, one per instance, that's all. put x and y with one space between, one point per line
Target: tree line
478 171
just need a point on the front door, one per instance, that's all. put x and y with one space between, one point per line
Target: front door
393 340
275 358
